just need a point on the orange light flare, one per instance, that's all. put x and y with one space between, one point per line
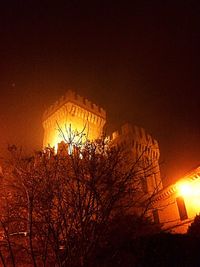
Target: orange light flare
190 191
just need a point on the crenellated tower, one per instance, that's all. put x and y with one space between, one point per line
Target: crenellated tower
75 111
142 147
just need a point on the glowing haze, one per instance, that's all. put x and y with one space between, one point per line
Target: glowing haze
138 61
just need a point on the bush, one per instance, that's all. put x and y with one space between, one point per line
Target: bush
194 228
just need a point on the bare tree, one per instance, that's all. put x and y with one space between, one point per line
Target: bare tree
63 201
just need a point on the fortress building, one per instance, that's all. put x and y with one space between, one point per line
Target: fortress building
76 112
140 145
173 207
80 114
176 206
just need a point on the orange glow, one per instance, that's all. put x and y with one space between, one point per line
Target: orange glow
74 111
185 188
190 191
75 128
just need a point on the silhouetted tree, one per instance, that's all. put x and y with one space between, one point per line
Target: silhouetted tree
194 228
57 206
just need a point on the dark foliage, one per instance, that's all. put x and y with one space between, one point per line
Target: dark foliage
194 228
157 250
123 245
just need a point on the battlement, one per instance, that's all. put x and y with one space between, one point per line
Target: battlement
72 97
138 133
85 117
137 139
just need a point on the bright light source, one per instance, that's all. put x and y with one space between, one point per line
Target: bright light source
190 189
185 189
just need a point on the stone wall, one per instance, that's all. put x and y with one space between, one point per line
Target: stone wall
76 111
177 208
144 148
80 114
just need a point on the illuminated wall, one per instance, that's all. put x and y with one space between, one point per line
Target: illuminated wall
79 113
76 111
176 206
141 146
189 189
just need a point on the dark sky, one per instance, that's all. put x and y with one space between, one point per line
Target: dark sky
139 61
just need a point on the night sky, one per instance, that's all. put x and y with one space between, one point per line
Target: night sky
139 61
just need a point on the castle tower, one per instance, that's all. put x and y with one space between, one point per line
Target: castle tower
142 147
76 112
